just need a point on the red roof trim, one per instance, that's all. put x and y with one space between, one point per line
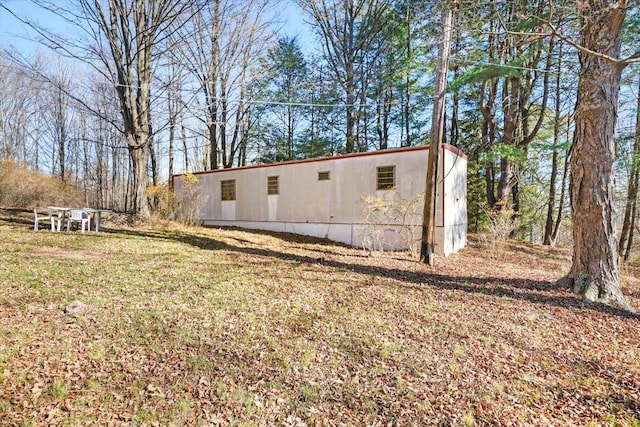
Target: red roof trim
455 150
448 147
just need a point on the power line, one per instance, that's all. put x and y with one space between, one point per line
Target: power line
283 103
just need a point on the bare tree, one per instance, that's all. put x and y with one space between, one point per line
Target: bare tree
348 29
59 114
121 40
20 115
226 39
132 30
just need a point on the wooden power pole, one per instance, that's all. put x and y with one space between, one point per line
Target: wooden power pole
437 134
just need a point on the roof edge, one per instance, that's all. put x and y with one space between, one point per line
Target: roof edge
447 147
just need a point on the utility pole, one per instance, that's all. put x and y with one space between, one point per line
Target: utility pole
437 134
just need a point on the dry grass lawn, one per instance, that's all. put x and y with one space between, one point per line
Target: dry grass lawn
204 326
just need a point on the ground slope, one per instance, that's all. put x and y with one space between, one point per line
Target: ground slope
203 326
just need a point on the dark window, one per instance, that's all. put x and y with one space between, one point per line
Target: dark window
272 185
323 176
228 189
386 177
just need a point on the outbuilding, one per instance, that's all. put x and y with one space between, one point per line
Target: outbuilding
373 199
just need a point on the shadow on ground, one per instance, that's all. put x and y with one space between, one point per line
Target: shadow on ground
533 291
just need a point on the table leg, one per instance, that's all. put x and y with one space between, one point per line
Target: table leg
62 216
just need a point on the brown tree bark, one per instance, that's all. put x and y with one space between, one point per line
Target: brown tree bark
427 246
595 272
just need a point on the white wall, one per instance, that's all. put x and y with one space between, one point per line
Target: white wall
333 209
451 230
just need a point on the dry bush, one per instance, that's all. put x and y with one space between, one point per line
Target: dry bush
189 201
379 214
121 220
501 226
373 216
23 188
160 200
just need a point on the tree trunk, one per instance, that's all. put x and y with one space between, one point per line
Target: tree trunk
551 203
211 87
61 130
563 189
634 210
595 273
548 229
626 237
629 211
153 159
172 112
488 135
140 163
406 108
227 159
427 247
351 117
185 142
507 179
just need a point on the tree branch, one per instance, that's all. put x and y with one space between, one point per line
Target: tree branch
633 58
554 32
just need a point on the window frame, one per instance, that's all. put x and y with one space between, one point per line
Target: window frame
271 191
228 194
382 177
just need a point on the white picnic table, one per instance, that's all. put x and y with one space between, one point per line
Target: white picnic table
95 213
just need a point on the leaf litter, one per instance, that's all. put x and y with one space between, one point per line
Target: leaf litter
205 326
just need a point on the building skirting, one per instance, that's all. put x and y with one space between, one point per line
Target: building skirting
376 236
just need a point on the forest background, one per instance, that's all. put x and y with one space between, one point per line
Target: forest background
114 111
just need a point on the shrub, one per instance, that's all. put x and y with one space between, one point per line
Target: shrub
22 188
160 200
189 200
379 215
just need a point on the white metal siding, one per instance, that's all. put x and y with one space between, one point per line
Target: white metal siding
333 208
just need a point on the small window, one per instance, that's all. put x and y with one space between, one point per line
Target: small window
323 176
386 177
272 185
228 189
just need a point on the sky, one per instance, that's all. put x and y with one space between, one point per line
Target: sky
19 36
12 31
